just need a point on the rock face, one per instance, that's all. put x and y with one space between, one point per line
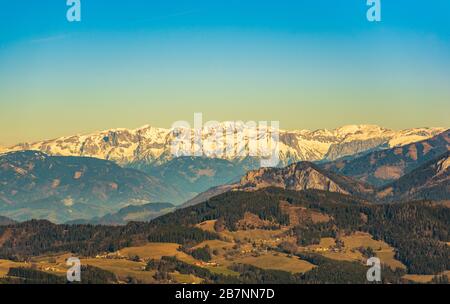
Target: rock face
383 167
152 146
301 176
119 145
35 185
442 166
354 147
431 181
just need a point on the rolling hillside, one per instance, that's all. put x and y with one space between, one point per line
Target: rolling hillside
431 181
136 213
260 228
35 185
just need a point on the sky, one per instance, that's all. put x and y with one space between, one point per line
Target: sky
308 64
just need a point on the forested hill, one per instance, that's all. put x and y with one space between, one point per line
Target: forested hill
417 230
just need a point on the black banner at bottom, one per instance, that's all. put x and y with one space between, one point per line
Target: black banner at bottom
225 293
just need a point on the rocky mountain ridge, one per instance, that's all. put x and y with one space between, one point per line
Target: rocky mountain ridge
152 146
430 181
382 167
301 176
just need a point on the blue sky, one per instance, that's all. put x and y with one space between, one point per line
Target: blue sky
21 19
309 64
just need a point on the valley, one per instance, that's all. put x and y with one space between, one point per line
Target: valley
302 223
287 235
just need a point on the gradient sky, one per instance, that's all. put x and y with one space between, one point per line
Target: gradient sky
307 63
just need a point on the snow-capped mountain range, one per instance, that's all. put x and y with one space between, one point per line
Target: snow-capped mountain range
152 146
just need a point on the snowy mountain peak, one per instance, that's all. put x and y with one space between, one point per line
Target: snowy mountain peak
352 129
150 145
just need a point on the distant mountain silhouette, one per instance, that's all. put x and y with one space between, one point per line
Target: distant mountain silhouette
35 185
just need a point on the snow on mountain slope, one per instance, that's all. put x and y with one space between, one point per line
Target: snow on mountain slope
120 145
152 146
356 139
406 137
385 166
